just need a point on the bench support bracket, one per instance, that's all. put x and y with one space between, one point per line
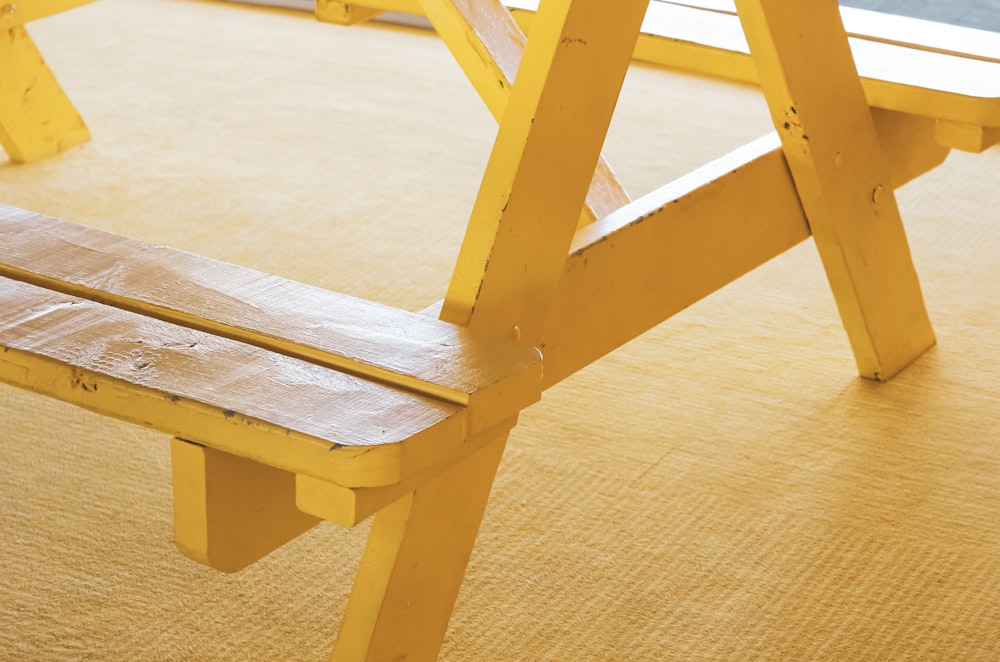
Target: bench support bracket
230 511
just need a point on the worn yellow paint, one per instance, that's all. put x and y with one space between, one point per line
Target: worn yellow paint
410 423
830 142
487 43
512 259
494 378
413 564
524 217
669 249
37 119
229 511
221 393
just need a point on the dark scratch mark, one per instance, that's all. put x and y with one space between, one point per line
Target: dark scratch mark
229 413
175 399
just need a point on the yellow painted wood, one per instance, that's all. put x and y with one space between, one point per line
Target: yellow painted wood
966 137
14 13
414 562
229 511
907 65
217 392
938 80
829 138
487 43
351 506
669 249
910 144
494 378
344 13
524 216
37 119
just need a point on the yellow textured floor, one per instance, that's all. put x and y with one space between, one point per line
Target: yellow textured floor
724 488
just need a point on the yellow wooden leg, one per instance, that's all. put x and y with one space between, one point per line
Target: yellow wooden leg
819 108
414 562
37 119
230 511
488 44
542 164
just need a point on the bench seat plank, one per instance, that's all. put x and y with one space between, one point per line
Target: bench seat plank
494 377
218 392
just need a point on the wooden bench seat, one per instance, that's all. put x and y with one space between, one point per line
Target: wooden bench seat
289 403
345 396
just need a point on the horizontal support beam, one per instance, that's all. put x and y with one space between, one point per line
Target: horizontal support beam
669 249
678 244
493 377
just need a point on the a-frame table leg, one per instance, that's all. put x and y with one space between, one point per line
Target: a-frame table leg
820 111
37 119
488 44
508 272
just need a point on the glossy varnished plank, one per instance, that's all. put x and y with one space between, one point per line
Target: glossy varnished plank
241 399
495 377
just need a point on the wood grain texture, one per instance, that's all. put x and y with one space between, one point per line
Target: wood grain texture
669 249
218 392
698 495
495 377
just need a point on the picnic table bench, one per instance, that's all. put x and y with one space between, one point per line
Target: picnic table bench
288 404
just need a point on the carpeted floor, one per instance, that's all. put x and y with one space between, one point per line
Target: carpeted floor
724 488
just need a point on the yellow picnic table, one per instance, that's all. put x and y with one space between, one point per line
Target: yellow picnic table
371 410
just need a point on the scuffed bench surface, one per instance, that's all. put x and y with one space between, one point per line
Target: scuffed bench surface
297 377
